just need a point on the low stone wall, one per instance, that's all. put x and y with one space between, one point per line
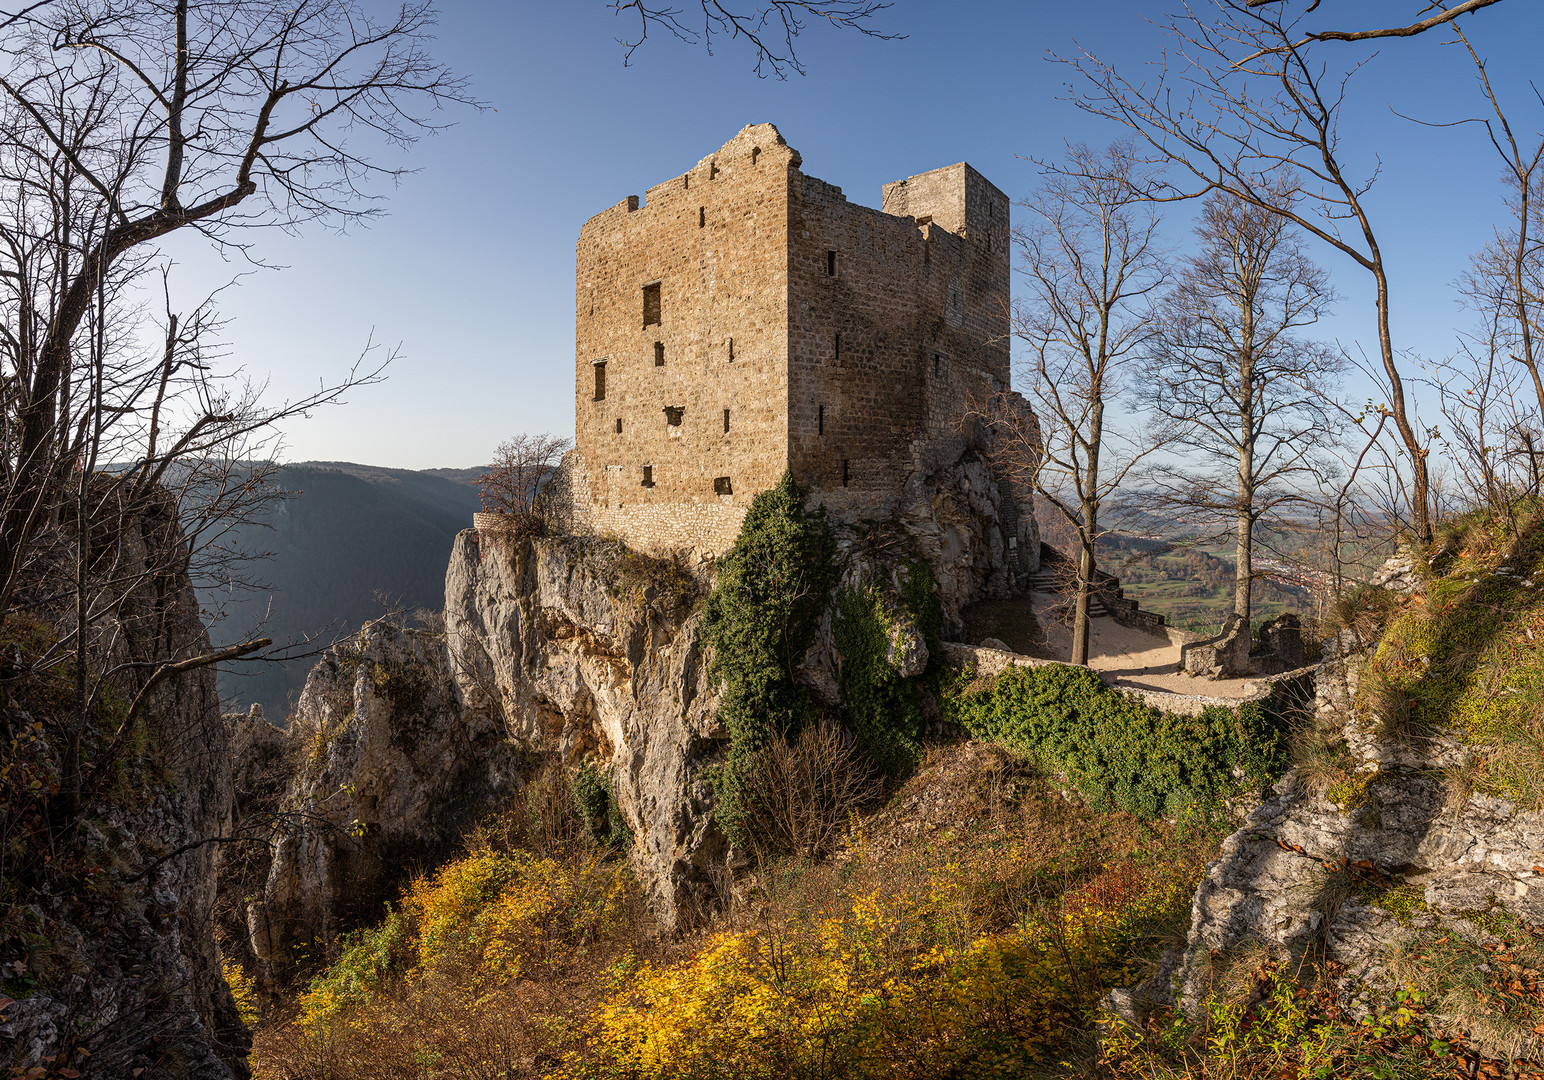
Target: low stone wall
995 661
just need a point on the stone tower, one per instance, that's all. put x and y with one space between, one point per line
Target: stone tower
745 318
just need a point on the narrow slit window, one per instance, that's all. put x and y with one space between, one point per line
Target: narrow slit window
836 347
600 379
686 182
721 486
830 264
702 216
820 421
713 170
726 421
659 354
755 154
619 425
938 363
844 472
730 344
651 305
648 476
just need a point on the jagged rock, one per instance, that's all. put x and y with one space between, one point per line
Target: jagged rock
128 968
1401 572
581 646
389 767
1280 880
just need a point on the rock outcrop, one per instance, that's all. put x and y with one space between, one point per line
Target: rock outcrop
112 934
585 647
389 766
1285 880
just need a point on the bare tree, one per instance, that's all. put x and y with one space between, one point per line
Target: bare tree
122 121
1445 15
1249 110
769 27
516 477
1247 394
1091 260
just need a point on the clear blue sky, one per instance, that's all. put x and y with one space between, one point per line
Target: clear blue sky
472 271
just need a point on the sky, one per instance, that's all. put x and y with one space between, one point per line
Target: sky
469 274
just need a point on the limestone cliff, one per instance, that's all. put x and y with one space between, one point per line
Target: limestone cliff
388 767
584 646
1311 867
107 941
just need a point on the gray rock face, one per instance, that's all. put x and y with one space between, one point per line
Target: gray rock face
128 967
1283 878
575 646
389 767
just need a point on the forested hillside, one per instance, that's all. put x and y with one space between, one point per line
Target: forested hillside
348 540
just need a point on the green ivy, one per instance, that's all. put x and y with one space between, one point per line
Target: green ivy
884 708
1119 751
760 620
597 806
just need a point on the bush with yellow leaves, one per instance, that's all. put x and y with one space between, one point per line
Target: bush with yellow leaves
482 923
896 985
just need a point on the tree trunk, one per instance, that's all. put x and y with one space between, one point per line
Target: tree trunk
1080 613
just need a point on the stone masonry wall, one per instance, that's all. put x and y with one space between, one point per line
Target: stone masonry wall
713 241
794 330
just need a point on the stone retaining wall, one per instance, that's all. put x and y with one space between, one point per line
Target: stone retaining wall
995 661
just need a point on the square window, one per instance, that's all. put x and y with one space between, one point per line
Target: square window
651 305
673 414
721 486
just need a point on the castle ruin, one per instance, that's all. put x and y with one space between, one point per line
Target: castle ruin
745 318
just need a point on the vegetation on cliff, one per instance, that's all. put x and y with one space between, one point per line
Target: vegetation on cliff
1121 752
760 620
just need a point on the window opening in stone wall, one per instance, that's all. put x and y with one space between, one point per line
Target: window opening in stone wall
619 425
730 343
651 305
755 154
820 421
844 472
726 421
938 363
713 170
830 264
659 354
836 347
673 414
600 379
721 486
702 216
686 182
648 476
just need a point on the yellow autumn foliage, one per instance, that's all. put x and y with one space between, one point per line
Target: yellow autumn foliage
486 919
893 986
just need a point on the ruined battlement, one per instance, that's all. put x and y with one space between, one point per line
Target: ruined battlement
744 318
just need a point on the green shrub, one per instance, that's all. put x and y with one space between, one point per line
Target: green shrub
597 806
760 620
1119 751
884 708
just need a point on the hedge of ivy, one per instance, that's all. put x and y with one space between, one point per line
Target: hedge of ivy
884 709
1119 751
760 619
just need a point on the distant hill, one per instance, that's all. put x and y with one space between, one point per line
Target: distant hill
348 534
